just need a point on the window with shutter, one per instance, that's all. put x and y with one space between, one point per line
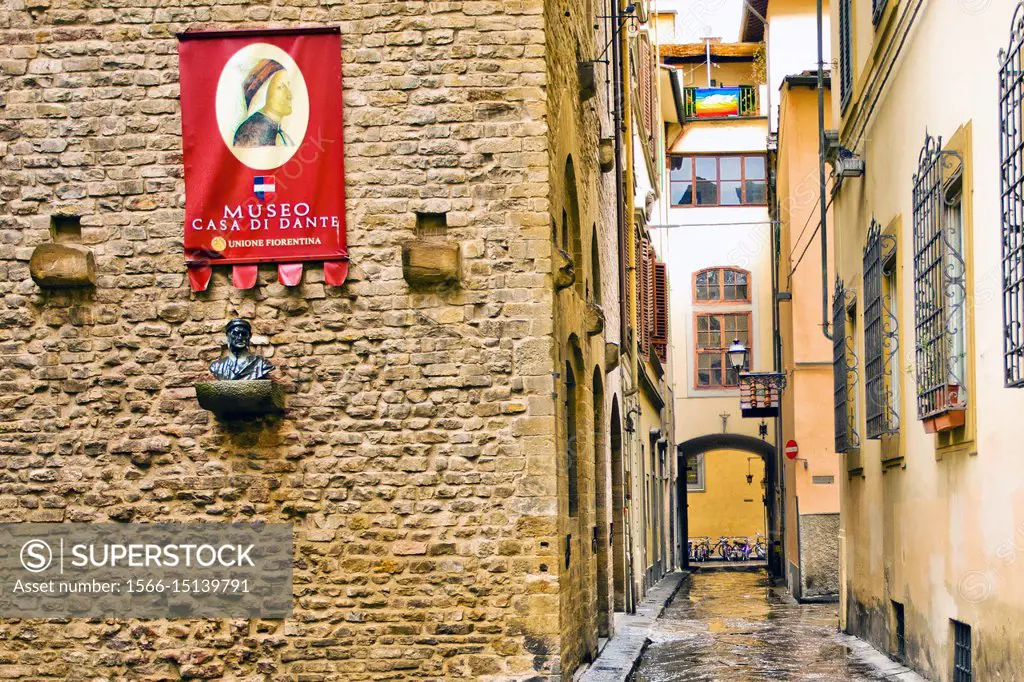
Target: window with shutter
638 289
647 72
845 53
660 335
881 334
844 373
643 286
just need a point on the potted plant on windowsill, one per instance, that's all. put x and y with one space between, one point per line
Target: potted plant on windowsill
952 415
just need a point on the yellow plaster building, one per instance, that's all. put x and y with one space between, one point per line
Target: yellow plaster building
926 323
723 501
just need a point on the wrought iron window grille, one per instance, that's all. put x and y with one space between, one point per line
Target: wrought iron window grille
844 371
877 9
1011 155
962 663
881 337
901 630
940 282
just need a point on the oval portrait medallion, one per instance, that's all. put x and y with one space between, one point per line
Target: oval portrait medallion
262 106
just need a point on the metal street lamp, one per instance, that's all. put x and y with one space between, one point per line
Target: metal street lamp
737 355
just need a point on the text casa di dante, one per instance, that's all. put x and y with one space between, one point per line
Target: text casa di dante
254 217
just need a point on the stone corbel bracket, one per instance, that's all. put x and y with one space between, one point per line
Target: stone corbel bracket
428 262
606 154
62 265
565 270
594 319
241 399
611 356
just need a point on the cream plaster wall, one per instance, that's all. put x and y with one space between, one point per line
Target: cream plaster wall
938 533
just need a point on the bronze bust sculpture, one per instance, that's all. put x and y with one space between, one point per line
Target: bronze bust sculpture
240 364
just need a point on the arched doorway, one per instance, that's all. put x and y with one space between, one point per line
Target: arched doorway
755 446
601 535
618 510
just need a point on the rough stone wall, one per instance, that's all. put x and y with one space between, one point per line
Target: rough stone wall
416 454
819 555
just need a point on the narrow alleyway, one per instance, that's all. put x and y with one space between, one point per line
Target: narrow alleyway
732 626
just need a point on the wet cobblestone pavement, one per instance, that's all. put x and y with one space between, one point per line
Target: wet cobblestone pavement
733 627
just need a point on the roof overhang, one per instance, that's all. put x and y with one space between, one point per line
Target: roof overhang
697 52
751 26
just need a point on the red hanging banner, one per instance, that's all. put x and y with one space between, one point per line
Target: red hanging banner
262 143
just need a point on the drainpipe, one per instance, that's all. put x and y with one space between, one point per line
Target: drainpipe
627 203
631 269
620 72
821 177
619 210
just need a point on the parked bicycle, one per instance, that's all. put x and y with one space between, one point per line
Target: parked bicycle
760 547
700 549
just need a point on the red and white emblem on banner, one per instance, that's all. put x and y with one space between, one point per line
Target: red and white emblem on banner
263 152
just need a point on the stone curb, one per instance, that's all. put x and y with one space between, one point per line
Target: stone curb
893 670
620 655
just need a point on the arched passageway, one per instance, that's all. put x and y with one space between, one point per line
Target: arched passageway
755 446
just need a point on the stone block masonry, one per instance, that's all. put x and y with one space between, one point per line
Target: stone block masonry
415 460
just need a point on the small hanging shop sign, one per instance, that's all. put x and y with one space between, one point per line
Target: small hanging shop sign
263 153
761 394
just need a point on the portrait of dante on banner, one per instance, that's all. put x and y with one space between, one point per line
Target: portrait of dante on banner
262 106
267 93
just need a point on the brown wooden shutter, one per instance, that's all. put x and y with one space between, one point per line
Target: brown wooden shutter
647 72
660 333
646 84
637 285
649 283
643 295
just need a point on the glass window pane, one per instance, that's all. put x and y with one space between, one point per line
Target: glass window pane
681 169
715 363
731 193
707 168
730 277
707 193
707 286
756 192
741 293
731 167
755 168
714 323
702 324
682 193
703 370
